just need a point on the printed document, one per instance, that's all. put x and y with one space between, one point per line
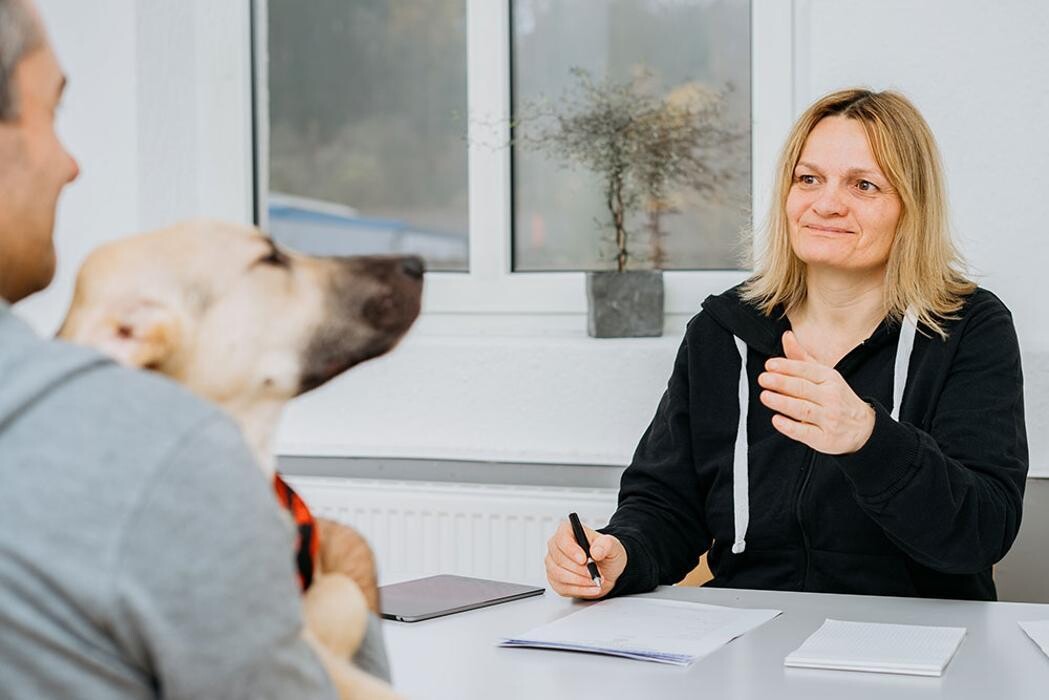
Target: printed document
1038 631
880 648
649 629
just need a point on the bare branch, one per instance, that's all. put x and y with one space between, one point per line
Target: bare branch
641 146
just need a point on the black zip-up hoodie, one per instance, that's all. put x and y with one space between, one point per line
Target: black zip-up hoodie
924 508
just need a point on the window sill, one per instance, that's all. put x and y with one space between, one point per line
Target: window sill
521 328
557 293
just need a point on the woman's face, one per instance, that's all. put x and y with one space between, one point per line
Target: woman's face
841 210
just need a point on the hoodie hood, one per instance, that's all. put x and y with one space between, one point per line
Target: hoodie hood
32 367
750 328
746 322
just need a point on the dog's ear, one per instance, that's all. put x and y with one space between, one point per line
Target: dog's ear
140 333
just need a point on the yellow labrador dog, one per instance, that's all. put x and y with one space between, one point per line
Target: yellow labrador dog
222 309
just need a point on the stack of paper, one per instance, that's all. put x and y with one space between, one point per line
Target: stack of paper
1038 631
649 629
880 648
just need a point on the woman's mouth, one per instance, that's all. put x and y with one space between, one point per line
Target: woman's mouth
817 228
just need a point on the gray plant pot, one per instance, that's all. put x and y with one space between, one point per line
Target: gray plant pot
624 304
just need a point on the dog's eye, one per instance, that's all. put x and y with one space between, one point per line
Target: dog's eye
274 257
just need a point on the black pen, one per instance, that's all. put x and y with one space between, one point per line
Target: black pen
582 541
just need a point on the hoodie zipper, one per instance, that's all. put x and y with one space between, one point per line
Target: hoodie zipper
844 364
797 515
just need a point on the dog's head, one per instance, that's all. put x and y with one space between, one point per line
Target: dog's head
222 309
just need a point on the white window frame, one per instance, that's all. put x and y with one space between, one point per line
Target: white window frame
490 287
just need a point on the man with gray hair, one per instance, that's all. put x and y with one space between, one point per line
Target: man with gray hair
19 34
140 549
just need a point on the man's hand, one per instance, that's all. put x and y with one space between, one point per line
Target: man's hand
814 404
566 562
344 551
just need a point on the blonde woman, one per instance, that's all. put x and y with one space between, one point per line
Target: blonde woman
849 420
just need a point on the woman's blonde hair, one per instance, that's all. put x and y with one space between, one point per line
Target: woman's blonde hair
925 271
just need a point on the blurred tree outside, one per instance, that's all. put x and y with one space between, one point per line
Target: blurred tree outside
665 46
644 149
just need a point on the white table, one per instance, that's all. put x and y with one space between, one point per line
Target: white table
457 657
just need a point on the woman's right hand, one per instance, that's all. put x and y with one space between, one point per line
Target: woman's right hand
566 562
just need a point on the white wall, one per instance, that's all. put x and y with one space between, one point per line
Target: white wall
157 114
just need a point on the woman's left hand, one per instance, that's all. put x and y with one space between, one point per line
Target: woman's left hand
814 404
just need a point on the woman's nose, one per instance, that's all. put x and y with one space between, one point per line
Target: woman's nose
830 202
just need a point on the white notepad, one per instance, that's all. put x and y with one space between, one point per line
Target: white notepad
879 648
649 629
1038 631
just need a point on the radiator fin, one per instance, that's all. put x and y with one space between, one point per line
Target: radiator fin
425 528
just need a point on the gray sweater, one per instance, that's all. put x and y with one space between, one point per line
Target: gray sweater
141 549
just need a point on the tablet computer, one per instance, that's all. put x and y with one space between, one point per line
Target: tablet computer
434 596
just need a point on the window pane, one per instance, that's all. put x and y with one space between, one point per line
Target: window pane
663 49
366 143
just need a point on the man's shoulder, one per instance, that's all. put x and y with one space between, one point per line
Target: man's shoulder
36 371
159 420
146 395
137 401
67 402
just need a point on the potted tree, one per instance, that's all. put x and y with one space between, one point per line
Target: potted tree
640 147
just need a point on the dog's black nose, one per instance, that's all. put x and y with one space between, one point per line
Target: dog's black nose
413 267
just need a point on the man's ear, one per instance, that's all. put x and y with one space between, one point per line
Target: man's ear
139 333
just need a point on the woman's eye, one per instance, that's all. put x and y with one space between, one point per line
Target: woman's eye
806 179
867 186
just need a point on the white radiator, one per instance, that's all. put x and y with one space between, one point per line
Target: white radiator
424 528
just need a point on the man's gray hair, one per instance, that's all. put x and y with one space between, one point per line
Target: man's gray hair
19 34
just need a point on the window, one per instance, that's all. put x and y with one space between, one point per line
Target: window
365 114
666 49
349 89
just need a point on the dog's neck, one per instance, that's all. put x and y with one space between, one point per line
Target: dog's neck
258 421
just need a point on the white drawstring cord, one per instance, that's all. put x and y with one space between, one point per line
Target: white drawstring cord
740 475
903 360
